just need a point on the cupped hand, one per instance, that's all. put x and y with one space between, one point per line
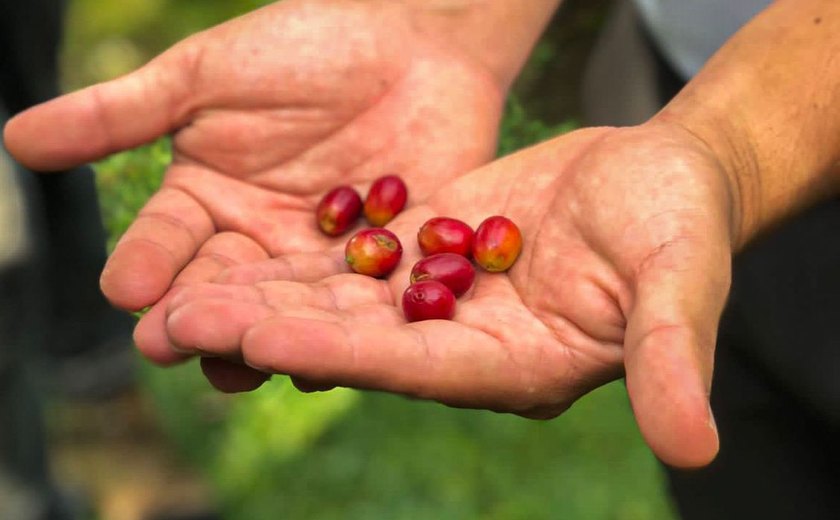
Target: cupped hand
268 112
624 270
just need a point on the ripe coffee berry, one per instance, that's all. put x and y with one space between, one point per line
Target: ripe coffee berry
374 252
338 210
453 271
445 235
497 244
428 300
386 198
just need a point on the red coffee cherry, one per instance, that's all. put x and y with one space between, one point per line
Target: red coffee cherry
386 198
373 251
497 244
338 210
445 235
453 271
428 300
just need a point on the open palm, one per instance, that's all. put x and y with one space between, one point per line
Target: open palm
625 268
267 113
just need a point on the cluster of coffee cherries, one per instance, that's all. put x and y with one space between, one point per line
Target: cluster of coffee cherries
445 273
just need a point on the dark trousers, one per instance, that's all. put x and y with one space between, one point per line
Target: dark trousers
65 224
776 388
50 301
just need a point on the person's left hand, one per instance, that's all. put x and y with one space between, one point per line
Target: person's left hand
267 113
625 269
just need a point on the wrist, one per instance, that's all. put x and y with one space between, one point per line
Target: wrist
767 117
726 142
497 35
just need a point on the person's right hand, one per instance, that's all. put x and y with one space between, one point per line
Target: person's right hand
268 112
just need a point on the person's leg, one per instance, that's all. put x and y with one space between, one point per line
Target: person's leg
33 279
26 489
23 466
89 340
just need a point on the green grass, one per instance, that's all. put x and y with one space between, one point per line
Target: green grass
350 455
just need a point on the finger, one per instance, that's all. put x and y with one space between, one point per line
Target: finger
105 118
230 377
211 318
217 254
302 267
167 233
151 339
213 327
441 360
669 350
307 386
283 223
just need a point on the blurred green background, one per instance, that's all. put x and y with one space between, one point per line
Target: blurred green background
344 454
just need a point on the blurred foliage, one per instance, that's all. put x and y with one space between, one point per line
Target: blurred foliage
519 129
276 453
106 39
125 182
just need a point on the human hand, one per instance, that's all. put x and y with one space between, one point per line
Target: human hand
268 112
624 270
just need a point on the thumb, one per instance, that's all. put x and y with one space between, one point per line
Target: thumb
109 117
669 348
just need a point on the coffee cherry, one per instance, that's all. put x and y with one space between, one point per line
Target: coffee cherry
338 210
445 235
497 244
386 198
453 271
428 300
373 251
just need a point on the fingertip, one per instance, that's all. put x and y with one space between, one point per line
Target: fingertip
684 437
33 137
137 275
15 134
10 132
238 275
232 378
669 391
181 330
96 121
152 341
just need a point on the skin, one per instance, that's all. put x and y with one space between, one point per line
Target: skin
625 265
